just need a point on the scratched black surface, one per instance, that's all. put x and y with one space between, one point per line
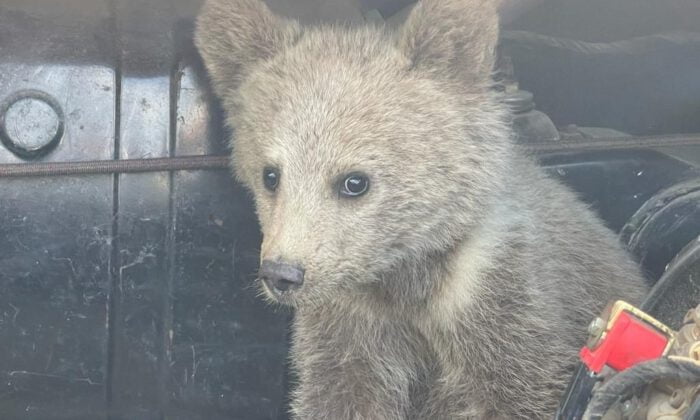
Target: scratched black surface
132 296
127 297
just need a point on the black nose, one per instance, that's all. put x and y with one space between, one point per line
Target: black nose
281 276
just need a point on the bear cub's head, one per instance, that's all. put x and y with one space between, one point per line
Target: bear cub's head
370 153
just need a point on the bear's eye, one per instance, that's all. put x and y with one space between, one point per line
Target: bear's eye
354 185
271 178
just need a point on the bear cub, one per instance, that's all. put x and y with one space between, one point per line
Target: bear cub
435 271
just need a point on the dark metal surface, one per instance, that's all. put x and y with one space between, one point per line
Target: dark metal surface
577 395
56 233
617 182
126 296
644 88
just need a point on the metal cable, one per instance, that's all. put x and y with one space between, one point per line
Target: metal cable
95 167
183 163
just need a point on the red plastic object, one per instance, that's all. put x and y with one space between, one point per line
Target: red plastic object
628 342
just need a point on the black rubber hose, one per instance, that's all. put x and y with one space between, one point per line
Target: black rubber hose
624 383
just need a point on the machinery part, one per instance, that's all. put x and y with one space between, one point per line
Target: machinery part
529 124
678 288
663 226
670 387
635 368
624 383
670 399
610 81
687 341
628 46
623 337
577 394
31 123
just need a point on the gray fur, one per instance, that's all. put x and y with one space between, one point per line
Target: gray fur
460 286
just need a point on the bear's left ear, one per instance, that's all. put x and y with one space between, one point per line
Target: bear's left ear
232 35
453 39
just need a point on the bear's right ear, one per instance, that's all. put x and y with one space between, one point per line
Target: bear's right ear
232 35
